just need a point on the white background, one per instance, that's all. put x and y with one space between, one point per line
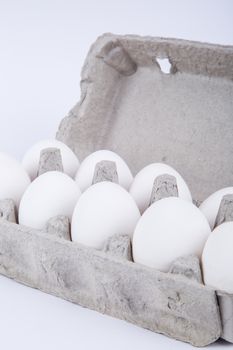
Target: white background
43 44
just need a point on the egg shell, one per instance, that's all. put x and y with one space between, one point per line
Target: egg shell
13 178
170 228
49 195
217 258
86 170
211 205
103 210
142 185
31 158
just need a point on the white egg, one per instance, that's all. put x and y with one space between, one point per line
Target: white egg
211 205
217 258
51 194
170 228
103 210
142 185
31 158
13 178
86 170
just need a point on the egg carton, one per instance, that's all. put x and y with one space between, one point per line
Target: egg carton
130 106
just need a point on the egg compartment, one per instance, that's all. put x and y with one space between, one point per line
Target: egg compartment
174 303
131 105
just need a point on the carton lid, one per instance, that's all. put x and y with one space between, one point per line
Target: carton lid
131 106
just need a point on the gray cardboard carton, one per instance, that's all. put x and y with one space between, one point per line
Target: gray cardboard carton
129 105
